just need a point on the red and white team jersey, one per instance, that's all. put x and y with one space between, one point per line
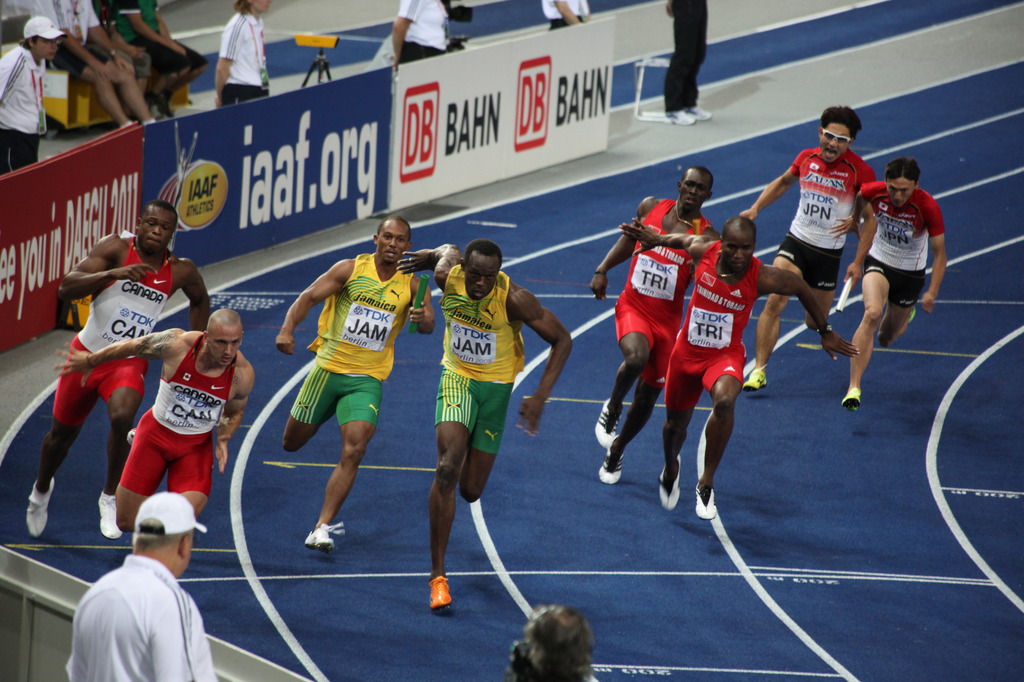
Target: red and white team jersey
191 402
901 241
718 311
658 278
827 193
127 310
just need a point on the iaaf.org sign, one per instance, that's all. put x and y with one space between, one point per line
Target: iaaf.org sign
543 100
260 173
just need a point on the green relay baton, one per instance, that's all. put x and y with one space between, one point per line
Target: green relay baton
420 293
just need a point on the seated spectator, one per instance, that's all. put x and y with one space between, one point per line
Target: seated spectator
107 11
22 117
242 64
87 53
142 25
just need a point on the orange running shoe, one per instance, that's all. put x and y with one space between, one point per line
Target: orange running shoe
440 597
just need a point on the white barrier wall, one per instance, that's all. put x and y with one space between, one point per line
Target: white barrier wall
469 118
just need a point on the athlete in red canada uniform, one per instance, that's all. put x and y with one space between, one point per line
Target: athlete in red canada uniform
709 350
130 279
205 384
648 311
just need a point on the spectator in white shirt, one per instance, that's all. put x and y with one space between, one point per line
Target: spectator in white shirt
22 117
242 66
566 12
420 31
136 623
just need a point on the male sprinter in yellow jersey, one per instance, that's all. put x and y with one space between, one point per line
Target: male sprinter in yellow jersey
484 312
367 303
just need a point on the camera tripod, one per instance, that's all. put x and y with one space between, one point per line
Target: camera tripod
321 66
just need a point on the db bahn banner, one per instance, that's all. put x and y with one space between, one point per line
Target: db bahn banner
251 175
51 214
468 118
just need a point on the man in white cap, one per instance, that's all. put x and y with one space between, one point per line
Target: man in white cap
136 623
22 117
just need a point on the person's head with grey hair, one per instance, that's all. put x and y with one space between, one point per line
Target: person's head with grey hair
557 646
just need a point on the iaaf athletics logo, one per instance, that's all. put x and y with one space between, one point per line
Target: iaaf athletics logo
199 189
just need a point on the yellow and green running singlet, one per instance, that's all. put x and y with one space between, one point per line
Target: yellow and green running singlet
357 328
479 340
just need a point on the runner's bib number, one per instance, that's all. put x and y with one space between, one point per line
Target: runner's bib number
654 279
367 327
709 329
472 345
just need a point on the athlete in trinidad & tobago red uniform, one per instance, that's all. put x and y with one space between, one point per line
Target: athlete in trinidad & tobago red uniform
648 311
709 352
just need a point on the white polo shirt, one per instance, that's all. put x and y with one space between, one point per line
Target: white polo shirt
74 18
429 22
577 7
136 623
21 92
242 43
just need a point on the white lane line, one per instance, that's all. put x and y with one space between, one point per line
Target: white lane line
931 460
478 515
238 528
807 575
641 669
755 584
870 46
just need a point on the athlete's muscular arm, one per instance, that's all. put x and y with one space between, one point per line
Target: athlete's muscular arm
775 189
441 260
103 265
772 280
524 306
323 286
938 246
693 244
620 252
424 315
867 235
163 345
234 408
185 276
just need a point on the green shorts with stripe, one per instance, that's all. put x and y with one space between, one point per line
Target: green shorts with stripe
481 406
351 398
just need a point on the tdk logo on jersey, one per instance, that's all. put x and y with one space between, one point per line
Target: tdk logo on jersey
532 96
420 112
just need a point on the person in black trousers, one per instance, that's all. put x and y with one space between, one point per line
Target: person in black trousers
690 30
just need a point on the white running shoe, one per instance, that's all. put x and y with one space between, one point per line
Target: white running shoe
108 517
604 429
669 498
611 469
706 508
697 113
320 539
36 515
681 118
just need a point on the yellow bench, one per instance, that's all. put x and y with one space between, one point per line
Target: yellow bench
73 104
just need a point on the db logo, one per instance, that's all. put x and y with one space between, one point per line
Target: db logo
532 103
419 132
